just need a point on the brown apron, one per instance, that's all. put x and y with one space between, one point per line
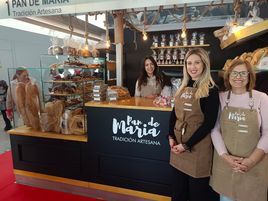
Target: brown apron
241 133
196 163
147 90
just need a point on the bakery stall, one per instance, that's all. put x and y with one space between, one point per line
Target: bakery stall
87 137
121 156
105 143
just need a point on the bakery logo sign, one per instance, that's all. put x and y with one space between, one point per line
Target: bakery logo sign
135 131
24 8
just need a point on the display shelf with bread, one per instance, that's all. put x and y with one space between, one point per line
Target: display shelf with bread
245 34
257 58
71 80
54 99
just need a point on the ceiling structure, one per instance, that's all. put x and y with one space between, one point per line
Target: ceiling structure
65 23
199 14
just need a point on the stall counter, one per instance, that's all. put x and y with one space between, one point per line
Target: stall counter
128 145
124 153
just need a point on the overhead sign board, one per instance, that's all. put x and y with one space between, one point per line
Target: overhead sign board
28 8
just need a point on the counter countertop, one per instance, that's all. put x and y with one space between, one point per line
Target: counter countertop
27 131
131 103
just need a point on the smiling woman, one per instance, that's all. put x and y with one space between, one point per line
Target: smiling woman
150 81
240 77
240 137
193 117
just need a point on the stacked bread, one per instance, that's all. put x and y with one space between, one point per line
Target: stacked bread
253 58
99 91
121 93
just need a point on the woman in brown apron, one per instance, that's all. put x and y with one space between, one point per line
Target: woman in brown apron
150 82
240 137
193 117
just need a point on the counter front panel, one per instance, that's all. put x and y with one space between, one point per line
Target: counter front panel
56 157
128 148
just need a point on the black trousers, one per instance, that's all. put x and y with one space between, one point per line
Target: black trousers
7 121
187 188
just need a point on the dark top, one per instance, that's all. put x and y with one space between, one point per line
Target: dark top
209 106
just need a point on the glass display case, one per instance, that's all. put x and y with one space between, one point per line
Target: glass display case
70 80
65 84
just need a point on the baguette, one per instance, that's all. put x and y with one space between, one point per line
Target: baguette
20 103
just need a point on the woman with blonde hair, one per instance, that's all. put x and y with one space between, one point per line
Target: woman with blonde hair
193 117
240 138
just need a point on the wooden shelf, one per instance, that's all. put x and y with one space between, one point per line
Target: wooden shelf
28 131
246 34
71 81
137 103
170 65
57 94
180 46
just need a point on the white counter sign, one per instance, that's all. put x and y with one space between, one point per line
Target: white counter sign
135 131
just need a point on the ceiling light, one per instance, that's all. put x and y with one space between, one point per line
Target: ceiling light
144 35
183 34
108 42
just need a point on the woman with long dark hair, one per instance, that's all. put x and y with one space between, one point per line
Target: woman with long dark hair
150 82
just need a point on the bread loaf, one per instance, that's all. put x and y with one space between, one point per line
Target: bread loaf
51 117
32 105
221 32
258 55
77 125
20 103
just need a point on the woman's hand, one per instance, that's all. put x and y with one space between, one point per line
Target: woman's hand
9 113
173 144
176 148
248 164
255 157
234 162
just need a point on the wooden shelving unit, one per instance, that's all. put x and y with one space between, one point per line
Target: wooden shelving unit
170 65
246 34
176 47
180 46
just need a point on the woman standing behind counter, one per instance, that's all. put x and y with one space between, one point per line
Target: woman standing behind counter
240 138
191 121
150 82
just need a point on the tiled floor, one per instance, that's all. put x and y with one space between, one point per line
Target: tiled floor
4 137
